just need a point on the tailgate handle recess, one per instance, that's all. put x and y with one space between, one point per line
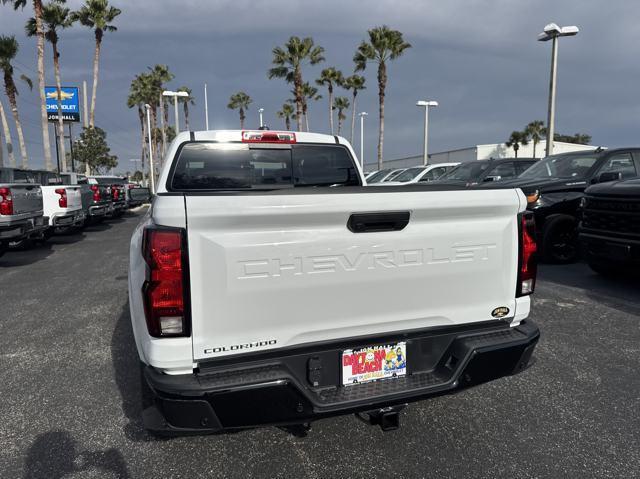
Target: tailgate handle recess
377 222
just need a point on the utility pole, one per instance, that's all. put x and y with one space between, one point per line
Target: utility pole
426 104
362 115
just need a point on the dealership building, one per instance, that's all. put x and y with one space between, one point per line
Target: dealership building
482 152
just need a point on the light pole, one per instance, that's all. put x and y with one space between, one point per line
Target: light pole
206 109
147 107
552 32
426 104
362 115
175 95
261 110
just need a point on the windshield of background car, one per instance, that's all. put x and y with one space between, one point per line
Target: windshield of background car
377 177
466 171
237 166
408 174
561 167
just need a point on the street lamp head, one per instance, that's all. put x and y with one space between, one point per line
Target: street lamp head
363 113
552 31
182 93
427 103
168 93
147 106
260 110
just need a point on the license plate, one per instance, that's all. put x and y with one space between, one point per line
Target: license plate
373 363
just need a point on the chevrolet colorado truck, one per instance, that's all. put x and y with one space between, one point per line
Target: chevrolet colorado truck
268 286
96 199
116 190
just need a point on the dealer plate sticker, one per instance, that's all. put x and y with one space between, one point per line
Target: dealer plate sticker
373 363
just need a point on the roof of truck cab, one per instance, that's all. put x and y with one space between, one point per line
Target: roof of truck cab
236 135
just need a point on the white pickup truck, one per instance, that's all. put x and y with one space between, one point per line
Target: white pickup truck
268 286
63 206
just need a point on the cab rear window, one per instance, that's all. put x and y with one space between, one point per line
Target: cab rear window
239 166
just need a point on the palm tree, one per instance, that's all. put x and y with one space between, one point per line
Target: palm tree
186 101
286 112
384 45
535 131
308 93
516 139
54 17
288 61
37 11
97 15
138 95
158 76
341 104
8 51
240 101
7 137
330 77
354 83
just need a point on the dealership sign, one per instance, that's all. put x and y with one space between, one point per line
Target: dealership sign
69 102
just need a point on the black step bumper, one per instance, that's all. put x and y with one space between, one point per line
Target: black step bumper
276 388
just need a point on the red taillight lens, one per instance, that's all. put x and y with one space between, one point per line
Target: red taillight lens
62 201
164 290
6 202
96 192
528 255
268 137
115 192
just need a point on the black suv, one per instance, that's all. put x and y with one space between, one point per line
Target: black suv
486 171
554 187
610 228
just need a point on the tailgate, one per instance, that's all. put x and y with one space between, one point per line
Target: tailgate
27 198
272 271
74 197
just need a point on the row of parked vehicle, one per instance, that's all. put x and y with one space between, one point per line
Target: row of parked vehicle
35 205
584 203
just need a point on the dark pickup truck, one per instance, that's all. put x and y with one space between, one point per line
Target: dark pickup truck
610 228
554 187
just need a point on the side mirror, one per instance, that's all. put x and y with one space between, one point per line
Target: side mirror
609 176
492 178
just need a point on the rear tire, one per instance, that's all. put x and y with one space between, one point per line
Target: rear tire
560 240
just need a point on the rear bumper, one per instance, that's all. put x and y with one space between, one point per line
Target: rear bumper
98 210
17 230
73 218
276 388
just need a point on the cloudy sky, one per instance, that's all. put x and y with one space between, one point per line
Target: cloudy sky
478 58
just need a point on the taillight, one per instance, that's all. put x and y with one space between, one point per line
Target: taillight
96 192
528 262
164 291
268 137
62 201
115 192
6 202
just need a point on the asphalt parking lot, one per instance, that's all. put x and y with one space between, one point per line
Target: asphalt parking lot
70 391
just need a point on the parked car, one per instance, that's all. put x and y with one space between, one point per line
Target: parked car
117 192
420 174
384 175
96 199
610 228
555 186
486 171
62 204
263 297
136 195
21 213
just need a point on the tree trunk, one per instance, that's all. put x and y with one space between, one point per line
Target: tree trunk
287 123
340 118
186 115
37 9
382 84
60 125
330 88
306 120
534 149
515 149
353 115
96 66
143 131
10 89
242 118
297 83
7 137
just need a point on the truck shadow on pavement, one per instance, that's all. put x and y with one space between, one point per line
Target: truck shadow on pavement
124 356
55 454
